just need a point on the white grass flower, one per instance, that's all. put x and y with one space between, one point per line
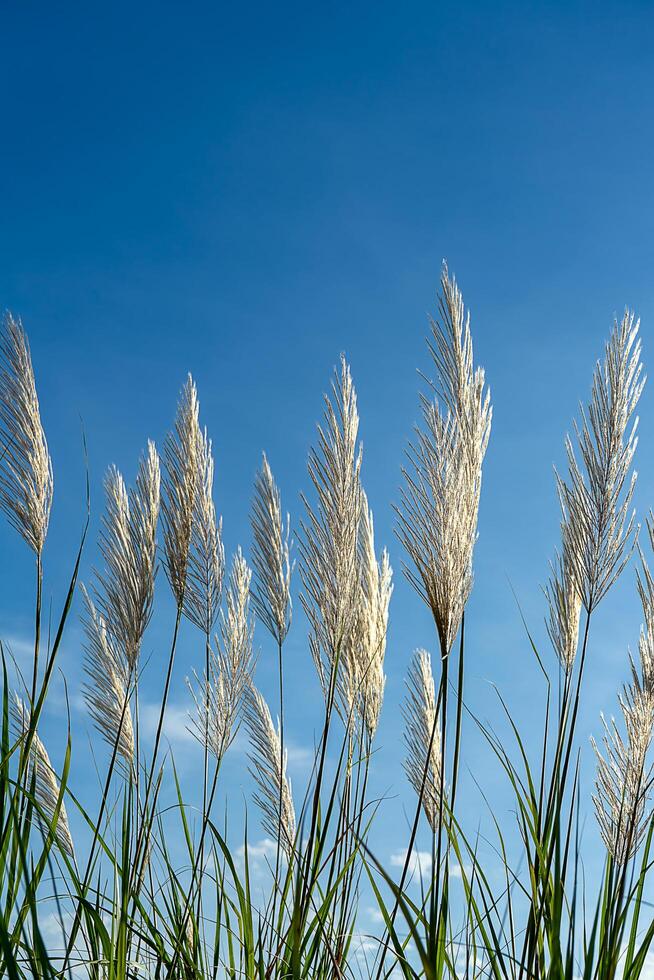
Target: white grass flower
219 698
47 788
107 690
206 556
624 779
269 771
564 602
597 526
423 737
125 588
26 481
440 500
375 597
182 455
271 556
329 546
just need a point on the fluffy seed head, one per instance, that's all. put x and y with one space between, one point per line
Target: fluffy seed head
375 597
564 604
125 588
219 698
329 547
183 472
423 737
107 690
597 526
269 771
206 558
26 482
440 499
47 788
271 556
624 779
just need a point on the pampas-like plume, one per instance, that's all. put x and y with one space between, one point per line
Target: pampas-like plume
564 604
128 545
47 788
440 500
624 780
329 547
107 691
206 557
269 771
375 597
219 697
182 456
423 736
597 527
26 482
271 556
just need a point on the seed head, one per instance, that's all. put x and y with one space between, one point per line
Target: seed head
440 499
47 788
269 771
206 558
329 547
597 527
423 737
183 475
26 482
271 556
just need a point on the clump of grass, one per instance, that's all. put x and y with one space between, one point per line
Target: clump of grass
128 908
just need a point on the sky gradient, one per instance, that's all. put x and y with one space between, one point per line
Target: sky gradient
244 192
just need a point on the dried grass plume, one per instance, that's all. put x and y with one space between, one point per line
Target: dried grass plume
26 481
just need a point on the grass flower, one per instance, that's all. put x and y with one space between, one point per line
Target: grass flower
26 482
271 556
624 779
564 604
47 788
440 499
375 597
125 588
219 701
597 526
107 689
329 547
183 473
423 737
269 771
206 555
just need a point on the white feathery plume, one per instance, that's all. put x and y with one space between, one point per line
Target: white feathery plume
125 589
182 454
597 526
47 788
269 771
564 603
107 691
206 557
440 500
222 693
329 546
271 555
375 597
624 780
423 736
26 481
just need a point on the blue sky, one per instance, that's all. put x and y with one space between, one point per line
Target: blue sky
245 191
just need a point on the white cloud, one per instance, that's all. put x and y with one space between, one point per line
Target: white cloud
420 864
176 722
420 861
259 851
